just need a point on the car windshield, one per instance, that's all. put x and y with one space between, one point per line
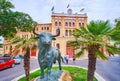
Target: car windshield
17 57
1 61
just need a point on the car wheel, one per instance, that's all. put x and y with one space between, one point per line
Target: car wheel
13 65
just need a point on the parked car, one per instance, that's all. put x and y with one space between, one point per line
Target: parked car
8 55
18 59
21 56
6 62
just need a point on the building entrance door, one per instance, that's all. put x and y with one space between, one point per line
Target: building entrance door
70 51
33 53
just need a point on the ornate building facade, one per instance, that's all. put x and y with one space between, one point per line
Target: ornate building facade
67 22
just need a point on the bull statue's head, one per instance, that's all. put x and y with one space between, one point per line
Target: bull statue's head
45 38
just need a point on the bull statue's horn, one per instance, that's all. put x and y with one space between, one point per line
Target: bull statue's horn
58 33
34 30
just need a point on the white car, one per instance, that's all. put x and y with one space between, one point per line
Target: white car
18 60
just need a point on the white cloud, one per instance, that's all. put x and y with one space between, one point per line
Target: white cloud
40 10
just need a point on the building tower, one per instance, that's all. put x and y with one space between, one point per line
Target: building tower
67 22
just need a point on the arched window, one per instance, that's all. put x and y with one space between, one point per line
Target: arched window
70 33
69 23
42 28
59 23
73 24
82 24
56 23
47 28
10 46
56 31
58 45
66 32
66 23
79 24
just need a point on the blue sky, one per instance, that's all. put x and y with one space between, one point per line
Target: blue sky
1 39
40 10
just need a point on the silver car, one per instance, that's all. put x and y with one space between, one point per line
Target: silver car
17 59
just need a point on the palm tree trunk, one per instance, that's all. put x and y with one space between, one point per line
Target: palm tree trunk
27 63
91 65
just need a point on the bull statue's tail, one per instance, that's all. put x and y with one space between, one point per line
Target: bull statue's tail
62 59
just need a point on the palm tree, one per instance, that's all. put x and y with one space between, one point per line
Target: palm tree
96 36
27 45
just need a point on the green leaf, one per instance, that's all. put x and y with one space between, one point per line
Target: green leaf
112 49
80 53
100 55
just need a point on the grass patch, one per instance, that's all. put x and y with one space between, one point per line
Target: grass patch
78 74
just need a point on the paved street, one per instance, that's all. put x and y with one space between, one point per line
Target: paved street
109 70
11 73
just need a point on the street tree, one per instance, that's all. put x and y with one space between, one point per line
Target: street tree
96 36
6 15
10 23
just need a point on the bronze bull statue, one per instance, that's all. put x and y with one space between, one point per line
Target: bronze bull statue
47 55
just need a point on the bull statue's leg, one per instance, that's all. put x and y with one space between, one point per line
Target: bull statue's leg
42 73
59 62
49 70
41 67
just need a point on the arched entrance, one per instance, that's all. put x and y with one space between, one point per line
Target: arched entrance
70 51
33 49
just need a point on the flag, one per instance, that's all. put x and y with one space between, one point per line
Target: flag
52 8
82 10
68 5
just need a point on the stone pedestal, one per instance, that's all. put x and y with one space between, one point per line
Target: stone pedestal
65 76
57 75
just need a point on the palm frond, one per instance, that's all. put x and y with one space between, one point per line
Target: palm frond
98 33
23 48
76 33
15 40
99 27
80 53
16 52
115 35
100 55
77 44
34 47
112 49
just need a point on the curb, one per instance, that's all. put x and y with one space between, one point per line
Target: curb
97 76
16 79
